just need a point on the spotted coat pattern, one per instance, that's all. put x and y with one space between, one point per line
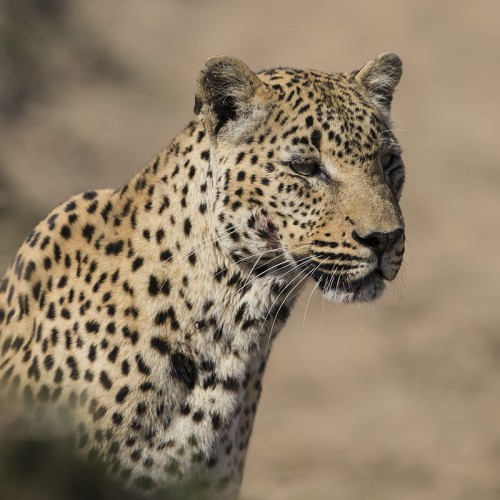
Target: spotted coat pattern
144 315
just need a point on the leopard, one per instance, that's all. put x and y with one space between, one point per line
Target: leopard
140 320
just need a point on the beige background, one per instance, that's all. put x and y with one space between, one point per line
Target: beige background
396 400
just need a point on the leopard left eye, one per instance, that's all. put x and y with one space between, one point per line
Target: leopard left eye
386 160
303 167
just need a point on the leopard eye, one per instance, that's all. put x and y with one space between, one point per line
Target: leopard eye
304 167
386 160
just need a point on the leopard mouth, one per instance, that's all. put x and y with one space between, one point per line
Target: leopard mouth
338 288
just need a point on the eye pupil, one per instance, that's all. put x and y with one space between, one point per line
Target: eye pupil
302 167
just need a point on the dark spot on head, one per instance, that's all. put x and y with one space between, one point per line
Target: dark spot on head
316 139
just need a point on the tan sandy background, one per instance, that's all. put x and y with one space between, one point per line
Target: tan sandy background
396 400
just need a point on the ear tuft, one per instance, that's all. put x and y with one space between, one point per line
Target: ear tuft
380 77
226 88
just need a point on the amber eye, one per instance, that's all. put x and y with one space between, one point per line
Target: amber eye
304 167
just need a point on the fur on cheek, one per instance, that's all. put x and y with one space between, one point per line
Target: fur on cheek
267 230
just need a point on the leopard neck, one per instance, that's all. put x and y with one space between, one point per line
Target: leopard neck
199 300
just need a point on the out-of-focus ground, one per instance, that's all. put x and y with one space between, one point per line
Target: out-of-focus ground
396 400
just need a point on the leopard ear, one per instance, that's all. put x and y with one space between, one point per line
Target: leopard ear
380 77
228 92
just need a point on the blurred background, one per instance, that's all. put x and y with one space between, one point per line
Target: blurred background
394 400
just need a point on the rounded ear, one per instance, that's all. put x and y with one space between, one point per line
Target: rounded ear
380 77
226 91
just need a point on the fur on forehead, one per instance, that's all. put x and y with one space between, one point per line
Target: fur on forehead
232 101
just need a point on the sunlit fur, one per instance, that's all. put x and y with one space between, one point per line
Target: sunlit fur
145 315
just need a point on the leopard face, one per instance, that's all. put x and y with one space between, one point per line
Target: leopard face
308 173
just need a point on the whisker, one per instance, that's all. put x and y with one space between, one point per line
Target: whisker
308 274
251 270
275 267
284 265
226 232
309 300
281 249
303 264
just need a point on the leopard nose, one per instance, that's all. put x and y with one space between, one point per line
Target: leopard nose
378 241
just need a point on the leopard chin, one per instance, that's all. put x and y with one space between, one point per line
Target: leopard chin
366 289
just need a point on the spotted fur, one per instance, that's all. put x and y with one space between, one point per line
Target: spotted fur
145 315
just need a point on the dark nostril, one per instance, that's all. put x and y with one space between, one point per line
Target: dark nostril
378 241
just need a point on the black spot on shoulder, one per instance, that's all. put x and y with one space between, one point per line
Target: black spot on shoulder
160 345
216 422
160 318
231 384
106 210
51 312
89 195
105 380
165 255
192 258
99 413
117 418
92 326
142 366
240 157
240 313
160 235
92 353
184 369
137 263
198 415
63 281
133 335
114 248
154 286
66 232
122 394
218 333
73 366
70 206
113 354
187 226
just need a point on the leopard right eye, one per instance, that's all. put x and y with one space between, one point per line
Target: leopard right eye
306 168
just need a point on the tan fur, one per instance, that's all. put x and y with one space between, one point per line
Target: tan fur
147 313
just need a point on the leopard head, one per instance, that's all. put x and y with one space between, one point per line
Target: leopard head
308 172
